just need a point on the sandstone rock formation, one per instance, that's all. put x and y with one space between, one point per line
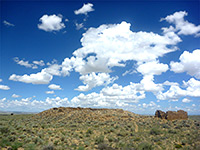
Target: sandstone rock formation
160 114
171 115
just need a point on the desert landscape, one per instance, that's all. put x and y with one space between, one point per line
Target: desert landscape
104 129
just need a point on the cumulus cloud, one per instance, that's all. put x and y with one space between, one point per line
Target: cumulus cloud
85 9
190 88
33 65
1 80
186 100
38 78
4 87
92 80
51 23
24 63
6 23
15 96
112 45
189 62
151 105
49 92
43 77
30 104
55 87
147 84
40 63
152 68
54 69
113 96
181 25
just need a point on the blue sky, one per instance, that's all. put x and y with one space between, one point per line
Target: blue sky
139 56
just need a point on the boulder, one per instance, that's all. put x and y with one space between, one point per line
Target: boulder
160 114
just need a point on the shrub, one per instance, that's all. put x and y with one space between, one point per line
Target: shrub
48 147
4 130
89 131
16 145
178 146
81 148
155 131
4 142
144 146
99 139
104 146
30 146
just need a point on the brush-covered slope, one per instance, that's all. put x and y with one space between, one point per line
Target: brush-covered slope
85 114
89 129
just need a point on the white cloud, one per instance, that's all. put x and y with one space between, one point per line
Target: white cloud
152 68
129 72
181 25
147 84
24 63
15 96
79 26
4 87
51 23
168 83
33 65
151 105
1 80
92 80
43 77
8 23
112 45
55 87
114 96
54 69
186 100
39 78
192 88
85 9
40 63
189 62
49 92
30 104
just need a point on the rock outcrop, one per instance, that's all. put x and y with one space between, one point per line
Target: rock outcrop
160 114
172 115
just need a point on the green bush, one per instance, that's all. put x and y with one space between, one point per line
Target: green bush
155 131
178 146
81 148
48 147
144 146
16 145
4 142
99 139
4 130
89 131
30 146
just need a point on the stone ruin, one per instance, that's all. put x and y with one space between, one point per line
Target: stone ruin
171 115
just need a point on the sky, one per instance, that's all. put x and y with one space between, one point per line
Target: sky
140 56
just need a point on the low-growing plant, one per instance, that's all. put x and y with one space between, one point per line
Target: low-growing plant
16 145
178 146
144 146
99 139
155 131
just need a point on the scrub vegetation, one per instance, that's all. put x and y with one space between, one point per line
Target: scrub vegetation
104 129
